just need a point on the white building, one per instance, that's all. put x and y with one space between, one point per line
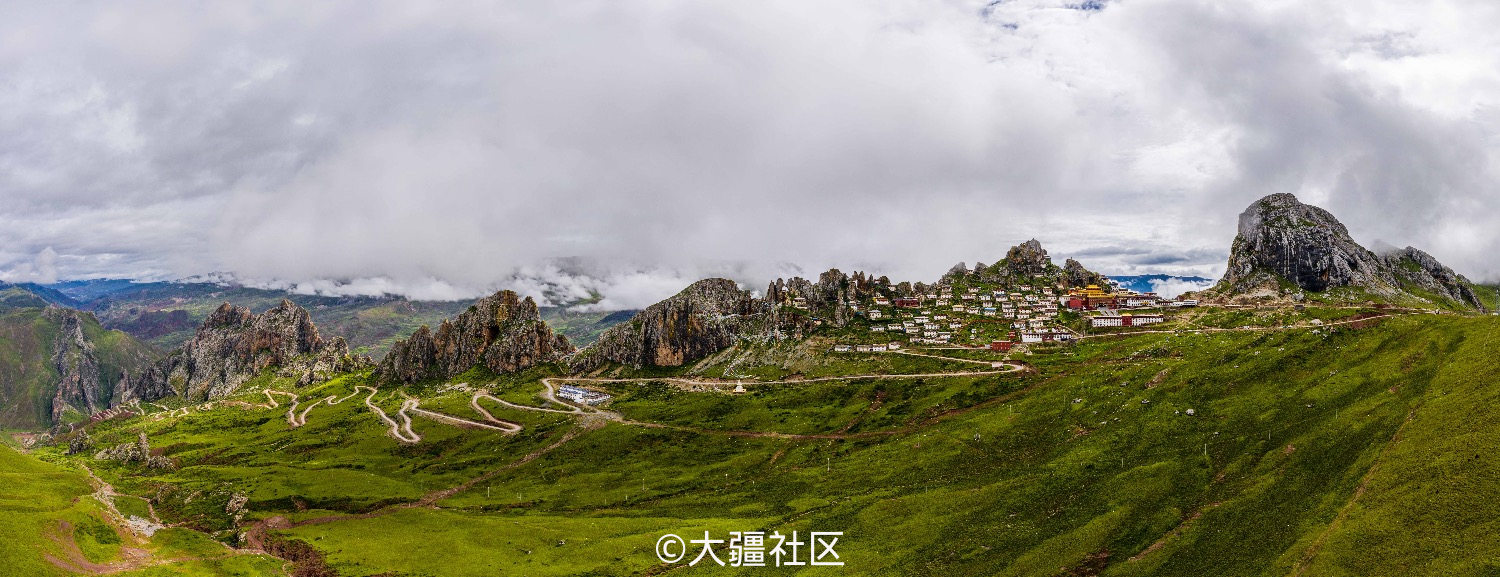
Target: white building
1106 321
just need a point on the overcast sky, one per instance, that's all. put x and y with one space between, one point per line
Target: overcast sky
436 148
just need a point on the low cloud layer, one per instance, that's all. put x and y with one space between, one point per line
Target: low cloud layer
444 150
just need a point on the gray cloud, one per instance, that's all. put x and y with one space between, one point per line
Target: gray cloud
441 151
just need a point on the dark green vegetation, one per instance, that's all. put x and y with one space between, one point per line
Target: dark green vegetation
1357 449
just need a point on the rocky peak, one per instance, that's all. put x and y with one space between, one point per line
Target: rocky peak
233 345
1425 272
1027 259
706 317
502 332
1075 275
1281 240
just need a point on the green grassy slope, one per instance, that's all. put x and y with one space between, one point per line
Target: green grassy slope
1355 450
52 526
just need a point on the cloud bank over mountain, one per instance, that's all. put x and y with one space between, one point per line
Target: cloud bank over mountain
443 150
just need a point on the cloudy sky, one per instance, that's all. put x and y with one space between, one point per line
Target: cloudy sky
436 149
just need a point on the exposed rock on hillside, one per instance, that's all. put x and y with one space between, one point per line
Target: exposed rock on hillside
80 384
706 317
1027 263
501 332
1281 238
1074 275
1283 243
233 345
137 452
1424 272
827 300
1027 259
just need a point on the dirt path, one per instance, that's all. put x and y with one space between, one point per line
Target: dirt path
1201 330
255 534
503 426
406 436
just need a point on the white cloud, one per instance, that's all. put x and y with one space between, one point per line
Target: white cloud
1172 287
445 150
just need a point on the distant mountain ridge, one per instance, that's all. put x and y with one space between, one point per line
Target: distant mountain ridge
167 314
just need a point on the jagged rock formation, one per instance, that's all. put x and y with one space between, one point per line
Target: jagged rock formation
1074 275
501 332
233 345
706 317
1285 246
1281 238
1027 263
1027 259
1424 272
828 300
137 452
80 384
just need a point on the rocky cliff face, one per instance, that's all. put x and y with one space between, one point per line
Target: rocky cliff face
1284 243
233 345
706 317
80 384
1424 272
1074 275
1281 238
501 332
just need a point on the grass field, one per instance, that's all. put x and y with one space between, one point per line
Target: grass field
1362 449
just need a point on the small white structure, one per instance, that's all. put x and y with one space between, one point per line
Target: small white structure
581 395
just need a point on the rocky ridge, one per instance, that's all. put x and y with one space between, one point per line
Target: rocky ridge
706 317
501 332
234 345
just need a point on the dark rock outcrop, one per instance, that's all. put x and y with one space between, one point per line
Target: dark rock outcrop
501 332
1026 260
1285 246
1075 276
1282 239
233 345
1424 272
1026 263
708 316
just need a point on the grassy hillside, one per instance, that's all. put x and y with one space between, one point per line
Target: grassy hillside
28 380
1356 449
53 526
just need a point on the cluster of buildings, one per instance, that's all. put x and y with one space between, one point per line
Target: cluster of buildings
581 395
940 316
878 348
944 315
1094 297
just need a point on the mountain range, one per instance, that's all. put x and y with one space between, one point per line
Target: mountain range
1299 421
